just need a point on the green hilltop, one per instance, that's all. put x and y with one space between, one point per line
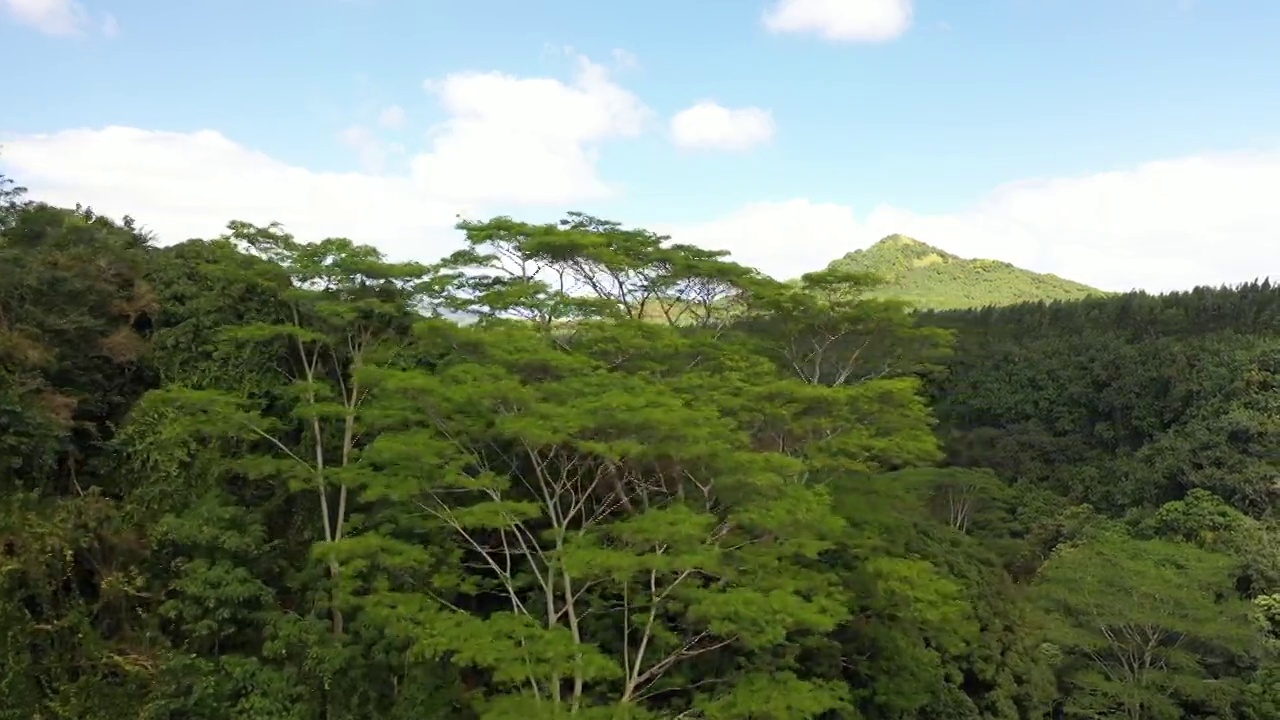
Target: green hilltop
933 279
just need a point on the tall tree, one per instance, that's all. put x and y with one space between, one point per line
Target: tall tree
1140 623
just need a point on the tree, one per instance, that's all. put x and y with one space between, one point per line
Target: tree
73 308
274 403
215 482
11 201
1139 623
346 305
586 267
252 478
826 331
73 302
618 529
621 526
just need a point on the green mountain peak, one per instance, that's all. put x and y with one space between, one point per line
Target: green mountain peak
934 279
897 239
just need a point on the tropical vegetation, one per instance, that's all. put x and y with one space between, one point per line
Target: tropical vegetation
934 279
252 478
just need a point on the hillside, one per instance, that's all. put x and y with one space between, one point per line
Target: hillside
937 280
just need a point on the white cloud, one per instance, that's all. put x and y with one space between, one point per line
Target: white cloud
110 26
542 133
708 125
1163 225
371 150
52 17
184 185
392 117
508 141
841 20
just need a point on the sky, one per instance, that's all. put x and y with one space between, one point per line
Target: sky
1122 143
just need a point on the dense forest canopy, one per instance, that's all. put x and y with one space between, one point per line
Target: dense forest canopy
252 478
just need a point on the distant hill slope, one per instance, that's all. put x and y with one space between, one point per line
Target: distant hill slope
933 279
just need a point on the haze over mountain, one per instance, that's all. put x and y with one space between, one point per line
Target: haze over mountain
933 279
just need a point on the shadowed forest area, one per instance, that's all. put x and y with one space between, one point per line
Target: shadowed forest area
248 478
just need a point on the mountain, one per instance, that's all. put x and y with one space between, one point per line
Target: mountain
933 279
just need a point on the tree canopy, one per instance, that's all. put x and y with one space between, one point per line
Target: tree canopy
254 478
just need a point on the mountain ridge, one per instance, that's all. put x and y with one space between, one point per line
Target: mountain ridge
933 279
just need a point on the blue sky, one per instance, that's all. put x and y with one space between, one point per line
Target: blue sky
1123 142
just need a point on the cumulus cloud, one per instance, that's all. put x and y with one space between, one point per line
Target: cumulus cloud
542 133
512 142
508 141
1163 225
371 149
184 185
708 125
51 17
841 20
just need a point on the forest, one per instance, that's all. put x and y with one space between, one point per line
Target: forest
575 470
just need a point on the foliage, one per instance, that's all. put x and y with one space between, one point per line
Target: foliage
932 279
1144 626
254 478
